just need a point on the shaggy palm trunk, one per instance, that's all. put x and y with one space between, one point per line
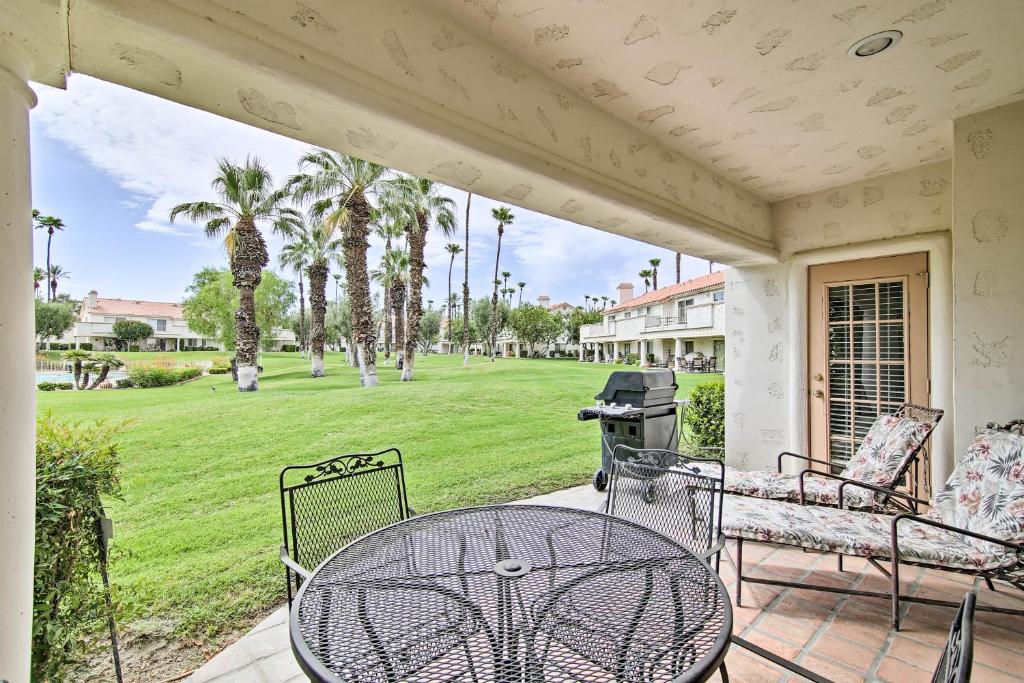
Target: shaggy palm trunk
417 246
679 268
49 241
102 377
654 276
247 262
354 245
317 272
398 311
494 296
77 372
465 291
451 305
302 318
388 331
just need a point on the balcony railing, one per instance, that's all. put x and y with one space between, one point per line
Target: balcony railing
700 317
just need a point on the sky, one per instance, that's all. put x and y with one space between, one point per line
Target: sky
111 162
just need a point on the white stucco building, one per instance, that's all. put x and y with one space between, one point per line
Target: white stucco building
670 323
509 346
95 325
869 204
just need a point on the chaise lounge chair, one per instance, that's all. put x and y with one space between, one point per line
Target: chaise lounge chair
974 525
889 450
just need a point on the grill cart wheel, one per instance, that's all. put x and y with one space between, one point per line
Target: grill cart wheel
647 494
600 480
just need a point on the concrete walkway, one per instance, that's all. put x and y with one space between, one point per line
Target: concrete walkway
264 655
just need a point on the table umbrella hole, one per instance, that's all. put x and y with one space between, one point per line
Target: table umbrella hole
512 567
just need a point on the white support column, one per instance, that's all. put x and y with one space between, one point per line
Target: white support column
642 346
677 359
597 352
615 350
581 350
17 354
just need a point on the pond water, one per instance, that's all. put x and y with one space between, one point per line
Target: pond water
67 377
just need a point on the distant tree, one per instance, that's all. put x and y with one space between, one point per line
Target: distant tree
535 325
53 319
504 216
38 275
679 267
453 249
131 332
604 302
465 289
57 273
80 366
101 365
50 224
212 300
645 275
655 262
480 317
430 330
577 319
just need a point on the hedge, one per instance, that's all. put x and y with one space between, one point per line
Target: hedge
289 348
55 386
148 376
705 415
85 346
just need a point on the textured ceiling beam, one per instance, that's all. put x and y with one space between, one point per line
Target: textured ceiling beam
408 86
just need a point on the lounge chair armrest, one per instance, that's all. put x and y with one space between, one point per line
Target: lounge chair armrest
801 457
939 525
911 500
292 564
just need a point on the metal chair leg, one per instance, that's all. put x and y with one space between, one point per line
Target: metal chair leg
739 572
725 674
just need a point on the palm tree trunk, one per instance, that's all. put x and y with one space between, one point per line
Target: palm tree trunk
398 310
77 372
494 297
100 378
417 246
388 322
679 267
247 262
317 312
302 318
450 306
49 241
354 245
465 291
654 276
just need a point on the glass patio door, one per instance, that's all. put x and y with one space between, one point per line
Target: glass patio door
868 347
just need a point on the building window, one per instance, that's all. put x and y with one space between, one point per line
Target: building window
681 309
687 347
161 325
626 314
719 295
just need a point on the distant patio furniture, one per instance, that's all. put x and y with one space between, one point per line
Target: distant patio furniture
711 364
512 593
891 449
331 503
694 364
974 525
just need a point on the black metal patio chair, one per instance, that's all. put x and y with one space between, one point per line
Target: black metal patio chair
675 494
326 505
958 657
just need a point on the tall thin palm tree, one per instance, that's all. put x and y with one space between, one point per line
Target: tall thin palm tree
337 287
655 262
522 286
427 208
50 224
465 289
604 302
505 275
295 257
389 222
246 198
393 276
453 249
504 216
57 273
645 275
38 276
679 267
586 302
339 187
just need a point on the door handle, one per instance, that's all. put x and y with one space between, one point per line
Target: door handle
818 393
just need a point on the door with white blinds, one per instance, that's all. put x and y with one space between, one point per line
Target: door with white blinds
868 327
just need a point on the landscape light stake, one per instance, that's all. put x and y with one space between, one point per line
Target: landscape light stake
105 531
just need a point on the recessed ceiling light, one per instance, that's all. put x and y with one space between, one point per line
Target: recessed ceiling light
875 43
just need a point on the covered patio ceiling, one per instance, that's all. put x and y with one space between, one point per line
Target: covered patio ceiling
672 123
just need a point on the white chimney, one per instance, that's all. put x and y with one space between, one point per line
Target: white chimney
625 292
544 301
92 299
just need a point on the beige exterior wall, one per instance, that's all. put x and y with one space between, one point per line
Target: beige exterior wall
988 273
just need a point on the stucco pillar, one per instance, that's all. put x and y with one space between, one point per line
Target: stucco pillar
615 350
581 350
17 354
597 352
677 354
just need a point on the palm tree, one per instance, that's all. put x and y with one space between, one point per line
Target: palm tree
295 257
505 275
56 273
426 208
604 302
679 267
586 301
393 276
655 262
465 289
103 363
454 249
522 286
338 186
389 222
50 224
246 198
645 275
504 217
38 275
612 302
337 287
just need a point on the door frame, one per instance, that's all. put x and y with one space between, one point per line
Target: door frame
940 335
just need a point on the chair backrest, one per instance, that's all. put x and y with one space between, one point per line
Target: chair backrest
674 494
957 658
711 363
326 505
985 492
892 444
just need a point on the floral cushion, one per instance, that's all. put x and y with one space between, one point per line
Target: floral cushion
985 493
886 449
856 533
765 484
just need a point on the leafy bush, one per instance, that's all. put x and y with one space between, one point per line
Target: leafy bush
632 358
289 348
706 415
219 370
76 466
650 358
85 346
148 376
60 346
55 386
133 347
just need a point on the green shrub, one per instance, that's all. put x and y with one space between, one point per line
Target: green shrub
76 466
289 348
219 370
705 415
133 347
55 386
60 346
85 346
148 376
650 358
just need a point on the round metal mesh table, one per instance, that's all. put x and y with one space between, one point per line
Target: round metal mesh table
512 593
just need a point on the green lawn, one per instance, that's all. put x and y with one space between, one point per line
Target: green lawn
198 532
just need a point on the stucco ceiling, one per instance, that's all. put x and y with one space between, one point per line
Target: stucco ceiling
763 91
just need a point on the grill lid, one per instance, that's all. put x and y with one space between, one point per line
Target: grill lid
639 388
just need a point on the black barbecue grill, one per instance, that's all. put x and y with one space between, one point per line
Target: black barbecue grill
637 409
